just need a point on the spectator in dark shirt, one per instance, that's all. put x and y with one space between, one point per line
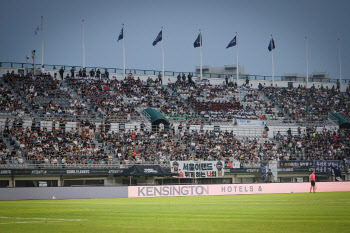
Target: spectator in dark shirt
72 72
92 73
179 78
160 78
189 77
183 77
61 72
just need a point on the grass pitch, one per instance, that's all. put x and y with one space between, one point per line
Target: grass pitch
315 212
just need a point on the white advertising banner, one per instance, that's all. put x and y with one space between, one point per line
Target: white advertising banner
252 123
202 169
233 189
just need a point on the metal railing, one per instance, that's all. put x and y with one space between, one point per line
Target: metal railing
79 166
88 69
166 73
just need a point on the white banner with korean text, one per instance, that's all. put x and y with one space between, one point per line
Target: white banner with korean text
198 169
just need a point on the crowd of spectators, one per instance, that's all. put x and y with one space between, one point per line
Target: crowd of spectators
47 97
313 104
9 104
121 101
38 146
267 110
313 145
80 146
214 102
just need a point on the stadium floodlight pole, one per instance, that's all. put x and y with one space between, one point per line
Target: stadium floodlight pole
26 64
83 46
123 53
163 54
340 75
200 51
237 57
307 65
273 68
42 41
33 57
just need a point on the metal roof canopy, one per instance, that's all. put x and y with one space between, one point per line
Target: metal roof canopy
342 121
156 117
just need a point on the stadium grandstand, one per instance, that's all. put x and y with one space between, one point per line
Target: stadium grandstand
70 126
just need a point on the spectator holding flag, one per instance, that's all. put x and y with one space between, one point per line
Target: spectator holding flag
313 178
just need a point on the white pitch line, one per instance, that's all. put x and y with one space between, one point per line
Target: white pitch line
28 222
52 219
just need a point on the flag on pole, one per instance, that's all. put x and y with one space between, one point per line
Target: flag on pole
198 42
37 29
121 35
271 45
232 43
159 38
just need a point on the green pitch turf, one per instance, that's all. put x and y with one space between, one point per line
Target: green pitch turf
315 212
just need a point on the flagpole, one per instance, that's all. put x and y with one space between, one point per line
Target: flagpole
83 45
307 65
273 68
123 53
237 57
340 75
200 51
163 53
42 41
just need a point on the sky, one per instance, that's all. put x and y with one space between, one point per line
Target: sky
289 21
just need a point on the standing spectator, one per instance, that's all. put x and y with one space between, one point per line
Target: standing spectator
80 73
42 70
84 72
161 126
183 77
54 70
231 78
61 72
160 78
266 131
142 126
180 128
106 74
178 78
72 72
226 79
189 77
98 73
270 177
92 73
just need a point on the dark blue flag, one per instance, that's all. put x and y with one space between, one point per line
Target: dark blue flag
37 29
159 38
232 43
336 174
198 41
121 35
271 45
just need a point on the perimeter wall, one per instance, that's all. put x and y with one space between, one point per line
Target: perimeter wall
41 193
233 189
